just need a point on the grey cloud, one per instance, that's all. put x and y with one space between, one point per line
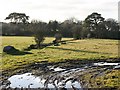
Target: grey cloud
52 7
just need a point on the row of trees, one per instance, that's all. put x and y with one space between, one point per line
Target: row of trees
94 26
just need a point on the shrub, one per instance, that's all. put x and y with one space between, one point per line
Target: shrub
39 38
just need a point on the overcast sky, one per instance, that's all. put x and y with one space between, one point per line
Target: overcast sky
60 10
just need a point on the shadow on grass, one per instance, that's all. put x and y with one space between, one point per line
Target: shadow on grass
44 45
74 50
18 52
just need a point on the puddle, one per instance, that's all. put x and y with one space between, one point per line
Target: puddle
106 64
56 69
76 84
69 72
51 86
117 67
52 81
68 84
26 80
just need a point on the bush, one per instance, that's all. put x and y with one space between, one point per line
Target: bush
39 38
38 28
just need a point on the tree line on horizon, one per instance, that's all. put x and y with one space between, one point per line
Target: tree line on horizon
94 26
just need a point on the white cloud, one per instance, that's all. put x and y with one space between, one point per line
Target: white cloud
59 9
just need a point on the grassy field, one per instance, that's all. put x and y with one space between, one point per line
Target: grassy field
85 49
74 50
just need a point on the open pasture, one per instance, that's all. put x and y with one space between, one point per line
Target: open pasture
89 49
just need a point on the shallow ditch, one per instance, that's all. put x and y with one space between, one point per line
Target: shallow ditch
55 77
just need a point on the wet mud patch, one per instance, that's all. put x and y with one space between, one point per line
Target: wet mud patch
28 80
64 75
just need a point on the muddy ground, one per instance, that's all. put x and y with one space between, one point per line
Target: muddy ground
75 74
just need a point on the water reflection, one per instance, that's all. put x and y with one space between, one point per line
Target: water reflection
26 80
105 64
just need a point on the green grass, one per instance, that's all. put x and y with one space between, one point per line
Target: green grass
74 50
111 79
